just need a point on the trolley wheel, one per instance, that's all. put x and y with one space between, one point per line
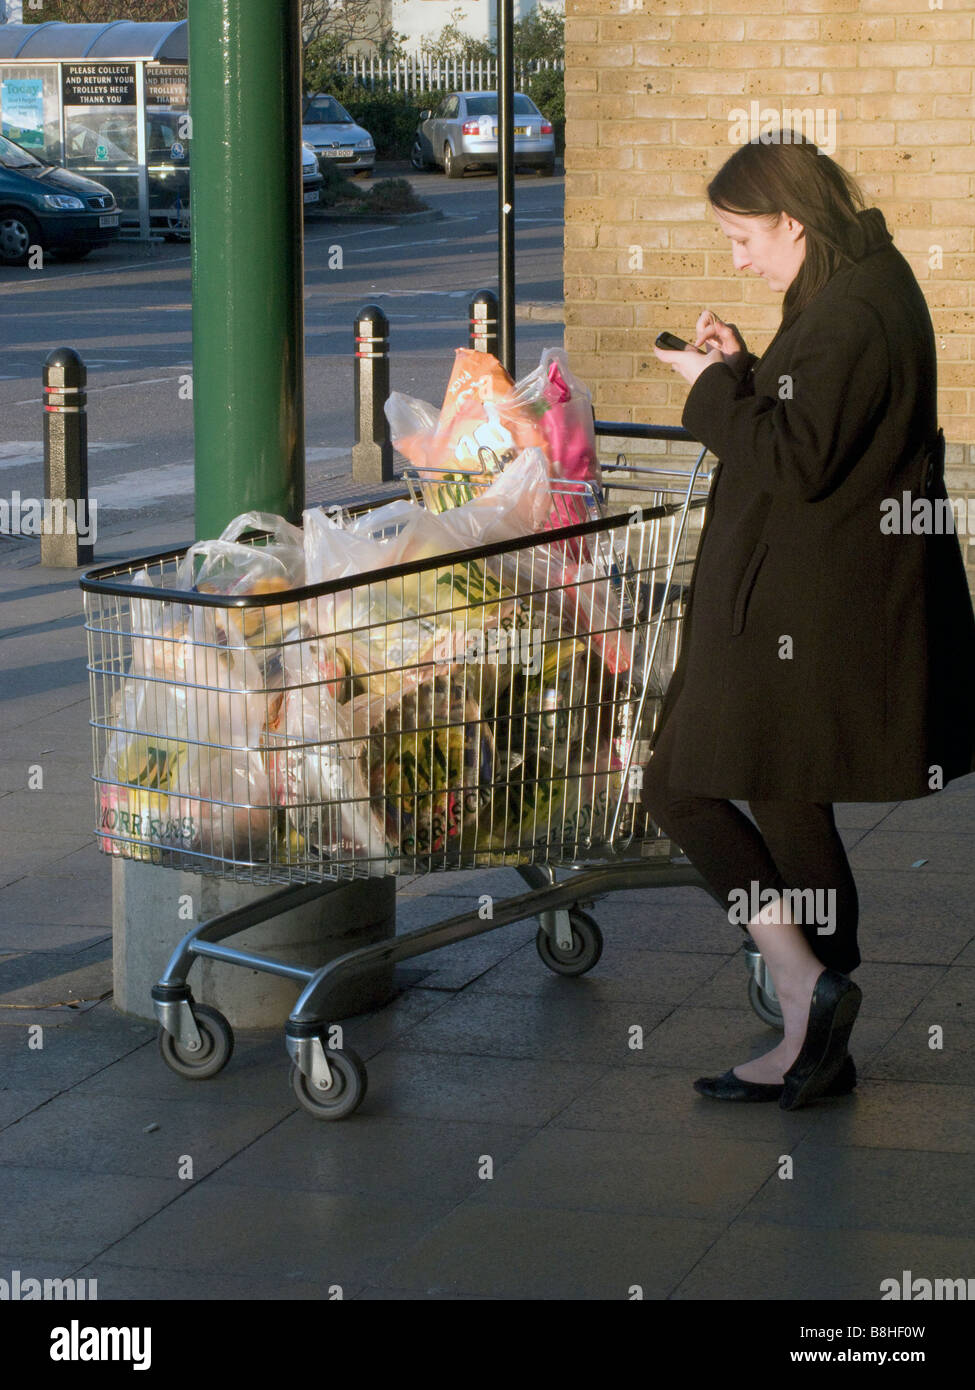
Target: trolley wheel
768 1009
213 1056
346 1093
582 955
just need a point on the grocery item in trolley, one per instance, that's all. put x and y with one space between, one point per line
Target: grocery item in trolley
487 420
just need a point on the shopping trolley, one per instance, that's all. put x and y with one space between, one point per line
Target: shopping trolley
484 708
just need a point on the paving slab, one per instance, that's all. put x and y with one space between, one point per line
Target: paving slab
382 1157
506 1253
842 1187
330 1238
753 1261
141 1137
73 1216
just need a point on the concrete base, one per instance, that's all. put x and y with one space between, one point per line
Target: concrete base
153 908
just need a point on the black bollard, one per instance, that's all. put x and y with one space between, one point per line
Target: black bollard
68 516
372 453
484 322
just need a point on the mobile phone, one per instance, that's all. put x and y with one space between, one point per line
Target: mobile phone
673 343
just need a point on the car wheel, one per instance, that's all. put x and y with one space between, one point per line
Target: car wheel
18 233
417 158
452 166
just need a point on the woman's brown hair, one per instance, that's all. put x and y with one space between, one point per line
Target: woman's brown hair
789 175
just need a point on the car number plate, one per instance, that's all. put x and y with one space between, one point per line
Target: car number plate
312 197
338 154
110 220
522 130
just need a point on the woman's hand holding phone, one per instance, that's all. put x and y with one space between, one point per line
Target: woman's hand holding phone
712 333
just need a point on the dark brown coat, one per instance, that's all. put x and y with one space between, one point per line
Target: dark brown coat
824 660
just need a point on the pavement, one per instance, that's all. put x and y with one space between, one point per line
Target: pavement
513 1144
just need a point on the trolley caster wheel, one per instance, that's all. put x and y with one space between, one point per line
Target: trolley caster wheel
768 1009
213 1056
582 955
346 1093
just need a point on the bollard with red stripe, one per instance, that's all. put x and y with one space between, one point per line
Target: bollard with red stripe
484 322
65 460
372 453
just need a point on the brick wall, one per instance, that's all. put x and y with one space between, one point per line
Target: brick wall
649 90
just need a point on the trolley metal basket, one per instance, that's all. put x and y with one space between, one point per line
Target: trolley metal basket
481 708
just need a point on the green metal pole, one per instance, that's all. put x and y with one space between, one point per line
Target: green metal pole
247 254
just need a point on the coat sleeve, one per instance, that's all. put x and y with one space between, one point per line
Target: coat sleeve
804 443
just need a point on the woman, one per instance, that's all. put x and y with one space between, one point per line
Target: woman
824 659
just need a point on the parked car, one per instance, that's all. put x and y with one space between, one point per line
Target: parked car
462 133
335 137
311 175
44 205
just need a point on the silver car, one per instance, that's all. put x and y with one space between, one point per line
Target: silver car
462 133
335 137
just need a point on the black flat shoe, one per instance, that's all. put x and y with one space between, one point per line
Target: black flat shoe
731 1087
832 1014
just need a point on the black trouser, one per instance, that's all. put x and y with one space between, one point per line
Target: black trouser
795 846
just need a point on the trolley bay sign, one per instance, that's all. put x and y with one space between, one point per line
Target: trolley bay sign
98 84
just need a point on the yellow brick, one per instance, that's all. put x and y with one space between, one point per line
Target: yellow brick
599 209
902 55
634 27
581 184
961 157
604 55
634 80
712 28
670 55
669 209
601 158
703 291
892 107
600 107
637 133
599 315
652 239
915 215
942 27
784 83
693 81
953 403
633 286
918 240
593 366
579 234
934 132
877 187
579 287
945 108
747 55
861 30
653 157
874 159
615 340
580 31
579 340
851 135
579 132
809 55
858 80
781 30
636 393
666 105
940 185
945 294
580 80
940 80
825 7
636 183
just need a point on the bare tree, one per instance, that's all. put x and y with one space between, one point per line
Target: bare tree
103 11
345 23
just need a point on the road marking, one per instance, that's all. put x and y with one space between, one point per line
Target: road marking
22 453
117 386
134 490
